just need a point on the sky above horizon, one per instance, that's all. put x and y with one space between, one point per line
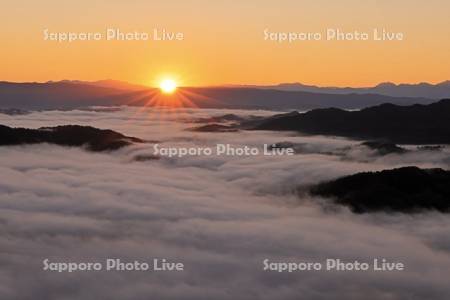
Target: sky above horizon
224 42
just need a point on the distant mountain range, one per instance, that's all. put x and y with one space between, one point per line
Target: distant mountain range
425 90
63 95
420 90
108 83
75 94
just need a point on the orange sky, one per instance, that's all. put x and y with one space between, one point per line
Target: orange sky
224 41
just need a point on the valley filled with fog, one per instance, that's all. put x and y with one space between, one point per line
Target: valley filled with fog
221 215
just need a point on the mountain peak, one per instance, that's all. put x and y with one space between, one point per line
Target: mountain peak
444 83
386 84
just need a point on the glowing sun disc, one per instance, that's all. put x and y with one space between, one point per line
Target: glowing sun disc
168 86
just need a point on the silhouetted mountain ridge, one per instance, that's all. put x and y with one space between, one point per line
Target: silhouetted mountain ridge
108 83
415 124
93 139
408 189
74 94
423 89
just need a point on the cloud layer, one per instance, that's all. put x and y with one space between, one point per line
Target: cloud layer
220 216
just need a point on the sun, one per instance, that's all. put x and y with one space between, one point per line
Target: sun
168 86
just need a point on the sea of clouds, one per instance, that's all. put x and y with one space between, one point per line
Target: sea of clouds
219 215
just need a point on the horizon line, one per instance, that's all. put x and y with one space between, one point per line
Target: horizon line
229 85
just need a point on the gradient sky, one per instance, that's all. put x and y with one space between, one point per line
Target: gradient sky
224 41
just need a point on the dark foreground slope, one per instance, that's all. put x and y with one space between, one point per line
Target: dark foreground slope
407 189
93 139
415 124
